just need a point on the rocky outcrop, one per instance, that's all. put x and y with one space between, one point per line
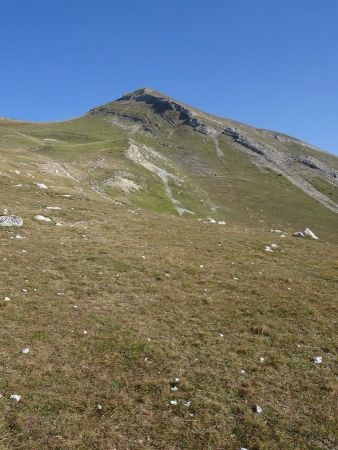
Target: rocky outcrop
162 105
313 163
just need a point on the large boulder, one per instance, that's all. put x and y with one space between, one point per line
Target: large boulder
11 221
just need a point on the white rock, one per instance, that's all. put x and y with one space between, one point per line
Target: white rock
24 290
99 407
15 397
187 403
174 389
42 218
11 221
273 246
221 222
276 231
177 380
55 208
19 237
268 249
25 351
173 402
221 335
41 186
317 359
305 233
308 233
7 299
258 409
242 371
261 359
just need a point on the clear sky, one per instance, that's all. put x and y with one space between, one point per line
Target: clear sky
269 63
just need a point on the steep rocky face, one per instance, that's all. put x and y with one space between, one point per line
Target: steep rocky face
159 104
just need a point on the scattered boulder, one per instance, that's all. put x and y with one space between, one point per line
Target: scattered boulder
317 360
305 233
41 186
11 221
258 409
42 218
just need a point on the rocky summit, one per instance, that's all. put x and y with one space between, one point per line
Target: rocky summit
173 285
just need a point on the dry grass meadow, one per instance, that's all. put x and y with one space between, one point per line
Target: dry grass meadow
121 303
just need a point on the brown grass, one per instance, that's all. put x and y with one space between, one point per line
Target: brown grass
144 328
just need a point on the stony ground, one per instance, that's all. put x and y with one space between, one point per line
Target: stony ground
117 303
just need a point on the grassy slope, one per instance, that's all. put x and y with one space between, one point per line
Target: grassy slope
143 327
243 193
132 310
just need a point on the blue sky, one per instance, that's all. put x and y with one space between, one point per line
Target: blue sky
269 63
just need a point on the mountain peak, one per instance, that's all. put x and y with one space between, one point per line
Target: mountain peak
142 93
